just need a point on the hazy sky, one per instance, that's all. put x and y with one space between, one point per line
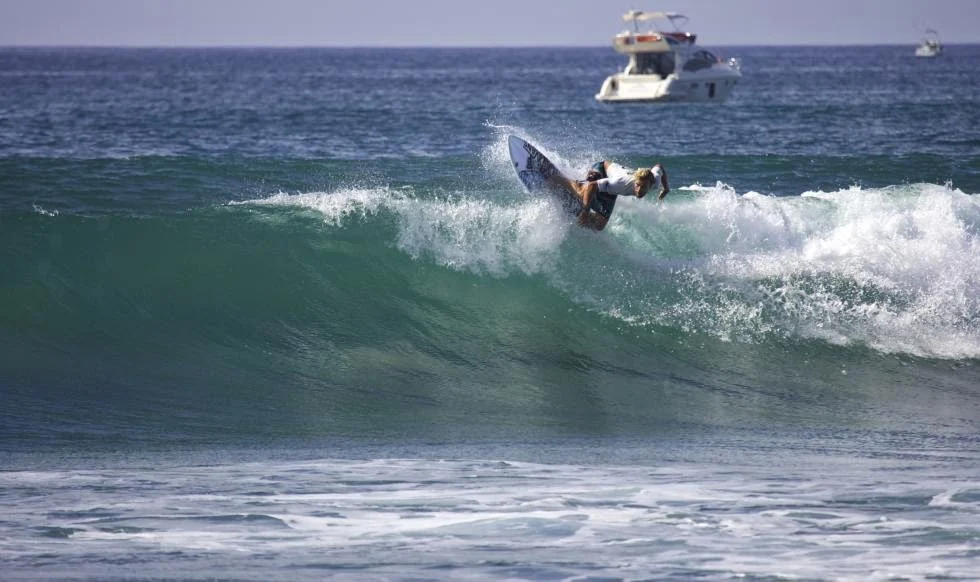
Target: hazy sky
471 23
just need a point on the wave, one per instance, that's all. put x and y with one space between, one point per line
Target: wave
895 269
394 310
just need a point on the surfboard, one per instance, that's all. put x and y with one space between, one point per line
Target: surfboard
536 172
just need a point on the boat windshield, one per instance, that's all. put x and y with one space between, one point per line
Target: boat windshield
700 60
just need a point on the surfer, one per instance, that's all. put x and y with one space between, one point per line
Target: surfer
605 181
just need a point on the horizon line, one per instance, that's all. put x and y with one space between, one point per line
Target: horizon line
445 46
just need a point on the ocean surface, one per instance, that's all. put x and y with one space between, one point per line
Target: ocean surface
288 314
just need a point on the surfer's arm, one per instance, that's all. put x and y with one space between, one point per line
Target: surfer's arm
664 184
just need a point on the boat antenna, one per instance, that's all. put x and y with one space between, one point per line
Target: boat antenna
634 16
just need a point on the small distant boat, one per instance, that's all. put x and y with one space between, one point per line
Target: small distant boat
930 46
666 66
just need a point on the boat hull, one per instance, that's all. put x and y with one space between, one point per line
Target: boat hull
927 52
623 87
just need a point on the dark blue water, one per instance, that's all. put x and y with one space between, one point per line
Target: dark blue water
270 313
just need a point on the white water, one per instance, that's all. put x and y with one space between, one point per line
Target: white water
849 519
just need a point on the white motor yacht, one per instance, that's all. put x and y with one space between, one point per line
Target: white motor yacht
666 66
930 46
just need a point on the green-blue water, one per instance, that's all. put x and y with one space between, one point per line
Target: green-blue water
314 272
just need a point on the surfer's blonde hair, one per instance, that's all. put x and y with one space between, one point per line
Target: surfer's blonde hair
643 175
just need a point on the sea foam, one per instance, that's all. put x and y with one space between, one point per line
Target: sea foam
486 237
897 268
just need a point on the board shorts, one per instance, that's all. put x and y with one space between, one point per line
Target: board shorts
603 202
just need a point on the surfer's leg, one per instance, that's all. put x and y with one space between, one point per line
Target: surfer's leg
598 221
585 192
561 182
602 205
